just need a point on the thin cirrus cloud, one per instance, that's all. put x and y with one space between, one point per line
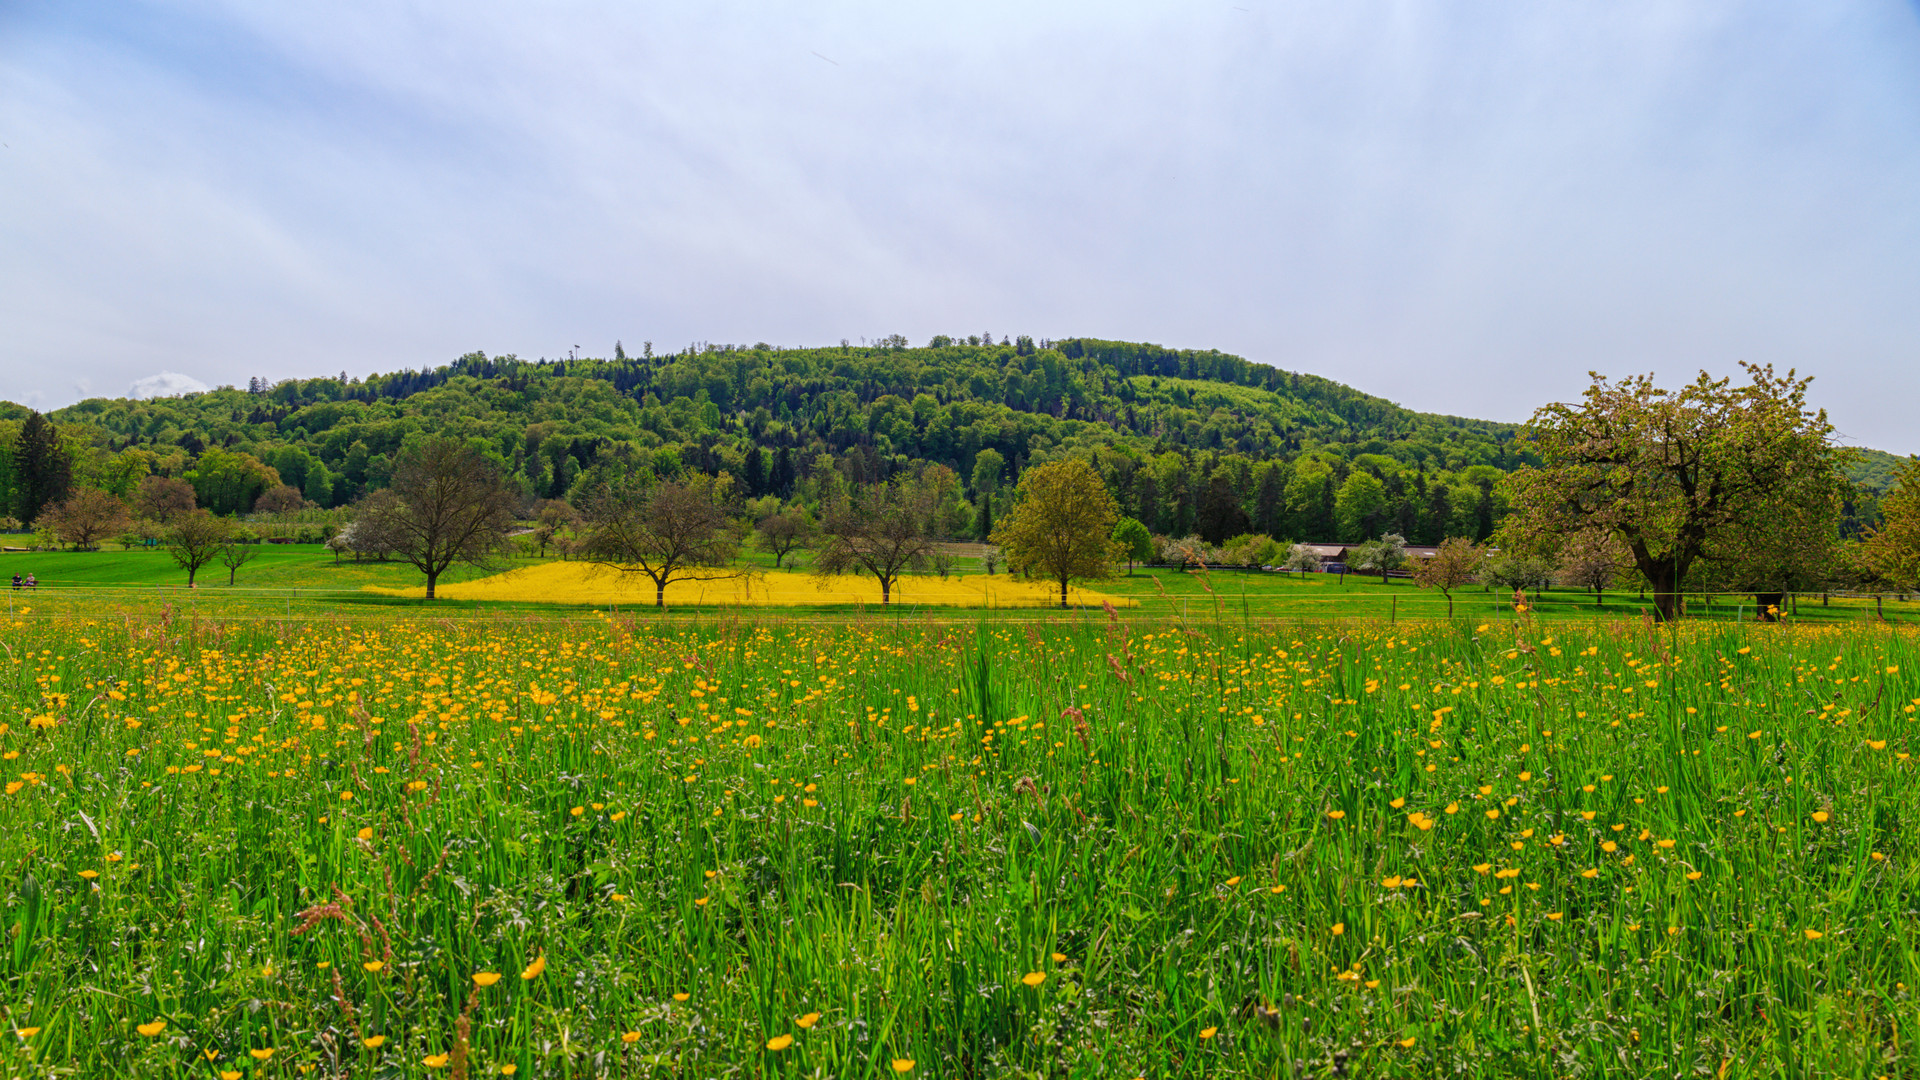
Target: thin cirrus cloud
1461 207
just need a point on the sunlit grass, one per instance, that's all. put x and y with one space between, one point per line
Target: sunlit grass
619 846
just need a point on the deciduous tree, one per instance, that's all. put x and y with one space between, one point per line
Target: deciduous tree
279 499
1673 474
786 531
1136 543
667 530
86 517
1382 556
239 550
1456 562
194 539
1593 560
881 529
1061 525
1892 551
447 504
161 498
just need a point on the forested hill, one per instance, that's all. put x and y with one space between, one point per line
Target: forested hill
1190 440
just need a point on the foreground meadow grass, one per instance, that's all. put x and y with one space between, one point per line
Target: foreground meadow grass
1108 847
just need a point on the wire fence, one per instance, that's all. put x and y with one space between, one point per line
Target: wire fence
1194 599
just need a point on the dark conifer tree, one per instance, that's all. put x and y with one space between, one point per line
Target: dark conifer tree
42 474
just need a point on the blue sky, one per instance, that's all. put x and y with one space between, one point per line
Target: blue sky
1463 207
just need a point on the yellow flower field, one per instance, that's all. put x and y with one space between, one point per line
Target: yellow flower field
589 583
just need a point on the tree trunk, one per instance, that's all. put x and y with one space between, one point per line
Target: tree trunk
1449 597
1599 597
659 594
1767 605
1666 593
432 578
231 570
886 591
1063 592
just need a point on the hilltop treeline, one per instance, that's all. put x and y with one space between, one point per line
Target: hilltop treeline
1189 440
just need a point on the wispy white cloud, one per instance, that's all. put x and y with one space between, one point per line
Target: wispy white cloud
166 384
1461 207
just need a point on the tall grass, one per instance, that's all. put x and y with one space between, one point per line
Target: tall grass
1106 846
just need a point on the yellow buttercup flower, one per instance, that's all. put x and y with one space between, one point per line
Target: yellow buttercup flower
485 979
808 1020
1034 978
152 1028
374 1042
262 1054
902 1065
779 1042
434 1061
534 969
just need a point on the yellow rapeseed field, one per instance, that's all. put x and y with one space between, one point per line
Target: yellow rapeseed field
589 583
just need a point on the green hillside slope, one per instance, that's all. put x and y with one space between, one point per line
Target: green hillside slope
1190 440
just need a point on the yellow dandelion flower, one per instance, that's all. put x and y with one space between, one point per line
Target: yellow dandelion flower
1338 929
1820 816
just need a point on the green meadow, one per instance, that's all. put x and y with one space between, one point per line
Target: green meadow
310 577
399 844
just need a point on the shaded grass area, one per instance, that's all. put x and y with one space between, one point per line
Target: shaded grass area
1086 847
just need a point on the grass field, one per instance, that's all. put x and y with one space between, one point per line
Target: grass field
307 577
627 846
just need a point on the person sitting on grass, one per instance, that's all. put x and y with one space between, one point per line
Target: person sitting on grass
16 581
31 583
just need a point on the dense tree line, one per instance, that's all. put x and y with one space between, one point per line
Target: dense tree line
1188 441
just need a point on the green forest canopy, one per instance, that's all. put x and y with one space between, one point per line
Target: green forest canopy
1189 440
